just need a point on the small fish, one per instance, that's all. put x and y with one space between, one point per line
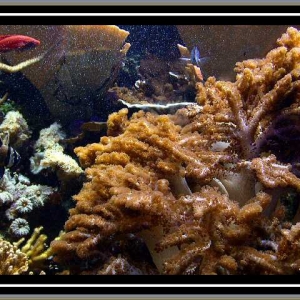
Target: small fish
196 58
17 42
9 157
94 126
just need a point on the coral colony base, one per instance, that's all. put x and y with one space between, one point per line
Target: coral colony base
172 187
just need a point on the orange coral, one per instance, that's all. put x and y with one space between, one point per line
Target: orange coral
218 229
130 182
241 113
262 88
273 174
195 182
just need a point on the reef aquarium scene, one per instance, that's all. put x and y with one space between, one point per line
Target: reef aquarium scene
149 150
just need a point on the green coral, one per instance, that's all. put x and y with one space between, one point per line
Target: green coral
8 106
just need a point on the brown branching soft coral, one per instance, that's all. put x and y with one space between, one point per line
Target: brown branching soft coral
135 179
198 187
262 89
226 239
218 229
273 174
119 266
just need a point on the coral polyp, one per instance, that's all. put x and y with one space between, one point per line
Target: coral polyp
24 205
19 227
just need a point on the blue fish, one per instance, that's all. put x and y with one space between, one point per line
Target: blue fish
196 58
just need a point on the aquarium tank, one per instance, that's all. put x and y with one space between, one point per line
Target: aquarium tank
149 150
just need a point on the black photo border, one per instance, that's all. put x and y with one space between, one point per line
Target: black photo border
121 285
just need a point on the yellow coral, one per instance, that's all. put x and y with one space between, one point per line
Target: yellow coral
34 247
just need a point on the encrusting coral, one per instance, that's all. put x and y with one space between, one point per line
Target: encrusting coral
71 63
202 188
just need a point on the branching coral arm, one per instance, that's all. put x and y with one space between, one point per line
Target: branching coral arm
268 101
20 66
244 133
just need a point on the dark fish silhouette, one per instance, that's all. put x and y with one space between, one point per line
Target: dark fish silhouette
9 157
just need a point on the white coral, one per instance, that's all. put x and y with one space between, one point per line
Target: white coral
64 162
38 194
49 154
8 182
24 205
19 227
49 138
6 197
16 126
21 194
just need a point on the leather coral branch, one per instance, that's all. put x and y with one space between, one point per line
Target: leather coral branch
136 178
262 89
